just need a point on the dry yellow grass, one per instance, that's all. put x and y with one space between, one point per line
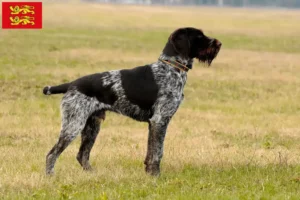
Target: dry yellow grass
236 135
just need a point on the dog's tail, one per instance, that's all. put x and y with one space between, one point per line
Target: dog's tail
59 89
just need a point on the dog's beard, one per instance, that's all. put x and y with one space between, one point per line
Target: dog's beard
208 55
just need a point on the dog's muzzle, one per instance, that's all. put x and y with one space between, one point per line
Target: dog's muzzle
209 54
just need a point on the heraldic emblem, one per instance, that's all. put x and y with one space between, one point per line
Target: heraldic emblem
21 15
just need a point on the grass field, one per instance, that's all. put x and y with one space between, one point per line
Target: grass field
236 136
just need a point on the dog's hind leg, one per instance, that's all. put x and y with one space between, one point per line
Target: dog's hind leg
67 135
75 112
88 137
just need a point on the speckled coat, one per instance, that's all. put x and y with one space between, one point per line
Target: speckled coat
150 93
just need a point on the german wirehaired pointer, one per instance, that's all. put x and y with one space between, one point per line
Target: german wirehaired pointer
150 93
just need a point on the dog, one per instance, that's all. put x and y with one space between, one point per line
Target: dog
150 93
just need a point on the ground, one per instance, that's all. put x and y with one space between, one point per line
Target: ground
236 136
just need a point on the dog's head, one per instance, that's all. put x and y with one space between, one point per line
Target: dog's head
192 43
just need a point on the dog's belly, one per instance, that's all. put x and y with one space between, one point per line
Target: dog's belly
142 116
124 107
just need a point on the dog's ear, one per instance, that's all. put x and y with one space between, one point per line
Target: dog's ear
180 41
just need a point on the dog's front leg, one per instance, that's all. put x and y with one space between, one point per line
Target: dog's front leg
157 131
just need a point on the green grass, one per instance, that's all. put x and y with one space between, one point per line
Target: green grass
236 136
235 182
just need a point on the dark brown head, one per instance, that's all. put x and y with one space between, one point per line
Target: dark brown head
190 43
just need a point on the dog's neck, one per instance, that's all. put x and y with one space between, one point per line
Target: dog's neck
170 53
185 62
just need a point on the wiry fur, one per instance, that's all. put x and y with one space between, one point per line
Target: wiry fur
150 93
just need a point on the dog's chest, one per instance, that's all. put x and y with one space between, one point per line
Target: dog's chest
171 83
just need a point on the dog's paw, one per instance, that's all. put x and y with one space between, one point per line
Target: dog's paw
153 170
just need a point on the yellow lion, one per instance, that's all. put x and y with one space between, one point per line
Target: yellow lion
15 10
23 20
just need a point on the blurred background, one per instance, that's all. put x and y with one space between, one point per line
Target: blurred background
234 3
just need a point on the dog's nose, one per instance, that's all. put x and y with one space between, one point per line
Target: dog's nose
218 43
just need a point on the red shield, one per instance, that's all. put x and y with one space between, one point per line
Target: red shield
21 15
